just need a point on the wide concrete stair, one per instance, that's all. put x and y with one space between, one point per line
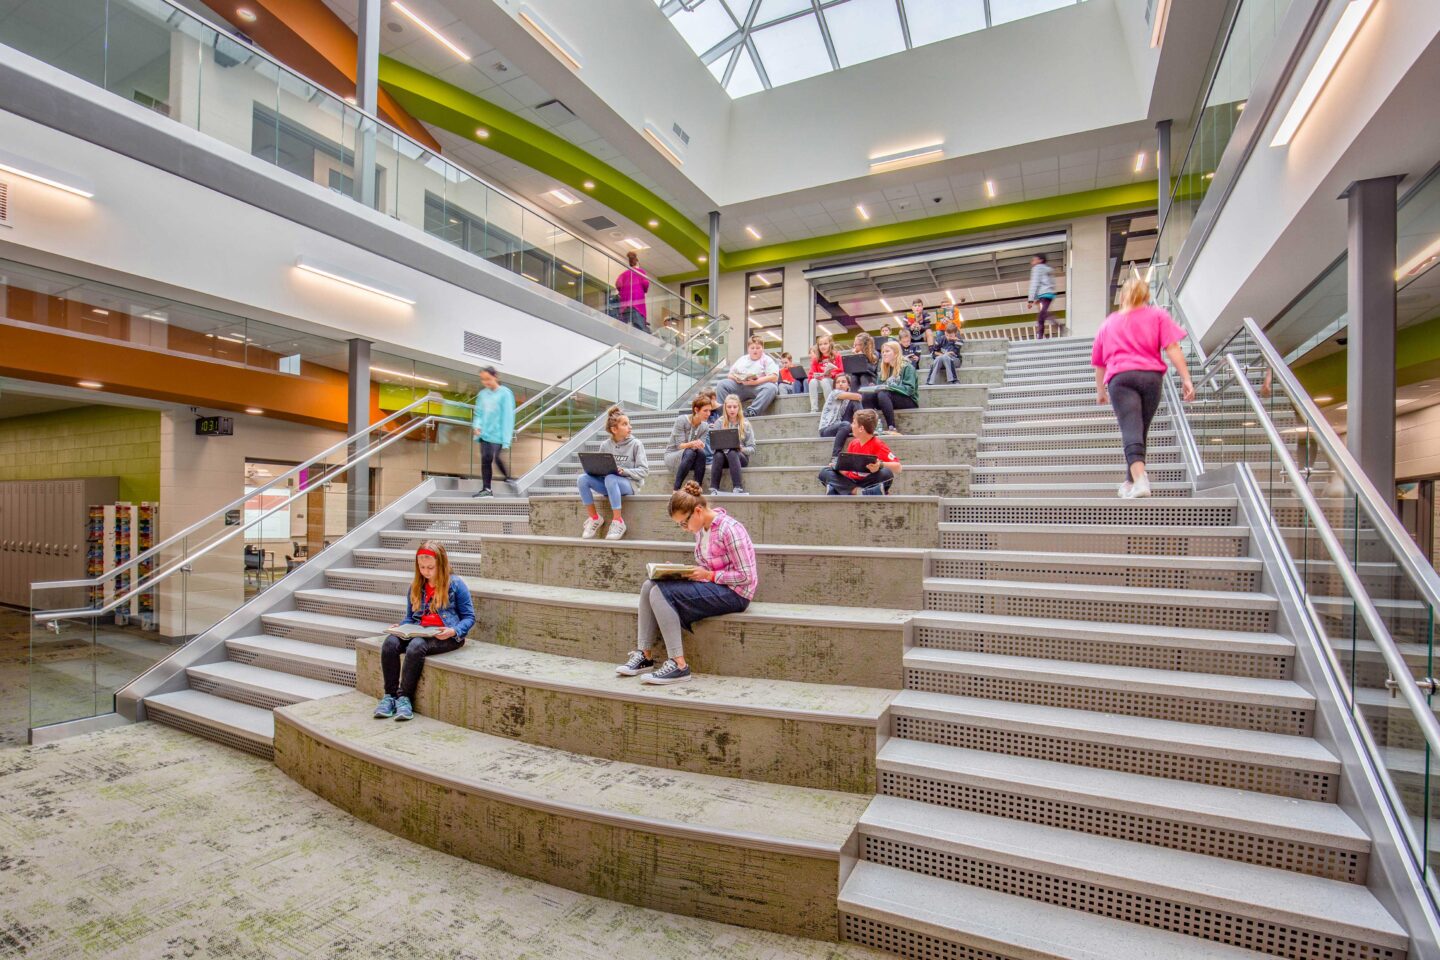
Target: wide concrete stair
1100 749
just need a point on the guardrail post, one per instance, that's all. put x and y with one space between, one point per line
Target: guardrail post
357 502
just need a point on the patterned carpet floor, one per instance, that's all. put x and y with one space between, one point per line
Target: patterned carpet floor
145 842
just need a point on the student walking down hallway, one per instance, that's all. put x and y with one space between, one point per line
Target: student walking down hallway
494 427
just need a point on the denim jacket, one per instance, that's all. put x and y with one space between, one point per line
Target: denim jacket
458 614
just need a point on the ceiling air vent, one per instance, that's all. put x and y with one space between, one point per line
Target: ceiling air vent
679 132
555 112
4 204
486 348
598 223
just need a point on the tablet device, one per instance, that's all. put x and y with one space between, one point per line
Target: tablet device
881 341
599 464
855 363
854 462
725 439
798 372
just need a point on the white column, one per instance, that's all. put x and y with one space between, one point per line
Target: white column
1088 276
731 301
798 319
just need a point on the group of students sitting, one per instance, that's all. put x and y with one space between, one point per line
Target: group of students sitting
439 611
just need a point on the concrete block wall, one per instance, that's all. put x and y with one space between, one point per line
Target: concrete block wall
92 441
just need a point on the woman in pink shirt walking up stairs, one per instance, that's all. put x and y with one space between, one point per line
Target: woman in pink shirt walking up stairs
1129 360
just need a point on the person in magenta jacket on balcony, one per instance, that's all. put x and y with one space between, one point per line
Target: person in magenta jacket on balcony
632 285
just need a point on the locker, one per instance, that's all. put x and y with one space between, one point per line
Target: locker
42 531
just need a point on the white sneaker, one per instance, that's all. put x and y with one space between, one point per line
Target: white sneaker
592 527
1126 490
616 531
1142 487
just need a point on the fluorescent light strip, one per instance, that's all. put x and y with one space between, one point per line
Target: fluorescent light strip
1140 161
408 376
549 37
1345 29
990 189
753 232
659 142
907 158
860 209
1418 261
309 266
563 197
886 304
949 296
49 177
440 37
231 340
635 244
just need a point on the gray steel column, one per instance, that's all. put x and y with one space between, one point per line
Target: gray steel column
1162 169
713 262
1370 365
357 408
367 96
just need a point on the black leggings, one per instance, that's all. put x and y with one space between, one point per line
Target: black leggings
489 459
402 683
887 402
1135 396
691 461
733 460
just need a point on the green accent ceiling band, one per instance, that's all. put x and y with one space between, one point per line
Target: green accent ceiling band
447 106
1417 353
1066 207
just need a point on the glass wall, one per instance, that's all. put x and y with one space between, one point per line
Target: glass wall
765 306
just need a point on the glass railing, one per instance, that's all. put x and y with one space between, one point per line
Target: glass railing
1370 595
89 638
158 54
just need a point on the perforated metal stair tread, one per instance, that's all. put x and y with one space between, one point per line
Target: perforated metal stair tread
1272 749
1128 794
345 626
262 680
1040 557
205 710
1090 591
481 505
883 906
1328 907
600 545
1153 530
1079 503
284 647
1099 676
813 702
398 553
1167 488
456 517
736 812
1138 634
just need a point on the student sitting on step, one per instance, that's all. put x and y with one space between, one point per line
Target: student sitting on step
732 419
629 454
909 347
788 383
725 581
946 352
899 387
840 406
437 598
754 378
865 347
878 474
824 365
685 450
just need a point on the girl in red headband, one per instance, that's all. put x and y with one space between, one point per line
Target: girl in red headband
437 598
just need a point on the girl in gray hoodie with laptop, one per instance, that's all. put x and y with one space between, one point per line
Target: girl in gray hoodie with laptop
630 458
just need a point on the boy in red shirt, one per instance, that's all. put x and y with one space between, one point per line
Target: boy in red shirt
878 474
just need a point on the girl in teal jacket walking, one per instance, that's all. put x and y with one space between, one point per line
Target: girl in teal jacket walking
494 427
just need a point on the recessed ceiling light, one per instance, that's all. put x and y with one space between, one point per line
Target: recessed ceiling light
1322 399
635 244
246 14
1421 260
1240 106
588 184
439 37
310 266
99 312
91 384
700 259
653 224
753 232
860 209
563 197
949 296
482 133
1140 161
255 411
1210 175
907 158
408 376
990 189
40 173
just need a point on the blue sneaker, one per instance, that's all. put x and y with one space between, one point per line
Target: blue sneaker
403 710
385 709
669 672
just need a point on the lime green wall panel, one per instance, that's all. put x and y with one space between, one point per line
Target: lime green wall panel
96 441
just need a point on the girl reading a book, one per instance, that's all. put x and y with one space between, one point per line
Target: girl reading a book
824 367
438 604
732 419
878 472
629 454
723 581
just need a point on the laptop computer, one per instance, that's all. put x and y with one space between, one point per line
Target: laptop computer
881 341
798 372
726 438
854 462
599 464
855 363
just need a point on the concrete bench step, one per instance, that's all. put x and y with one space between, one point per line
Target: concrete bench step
769 852
935 480
750 728
942 395
955 448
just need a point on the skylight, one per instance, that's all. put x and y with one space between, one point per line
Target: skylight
753 45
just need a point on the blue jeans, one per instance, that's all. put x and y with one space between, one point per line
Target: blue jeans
614 486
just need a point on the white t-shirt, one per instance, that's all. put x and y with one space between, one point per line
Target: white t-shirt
764 367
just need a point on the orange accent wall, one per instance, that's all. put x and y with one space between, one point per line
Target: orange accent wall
310 38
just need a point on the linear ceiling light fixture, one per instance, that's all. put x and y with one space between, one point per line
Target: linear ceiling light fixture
753 232
43 173
860 209
1157 26
990 189
1140 161
408 376
548 36
440 38
1345 29
913 157
563 197
661 143
1420 261
886 304
635 244
324 270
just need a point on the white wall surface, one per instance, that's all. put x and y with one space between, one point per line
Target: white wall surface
153 230
1087 285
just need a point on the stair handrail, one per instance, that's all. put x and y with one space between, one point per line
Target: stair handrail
1189 449
599 372
181 563
573 373
238 503
1400 678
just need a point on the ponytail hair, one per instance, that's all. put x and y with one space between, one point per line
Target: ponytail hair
688 499
613 416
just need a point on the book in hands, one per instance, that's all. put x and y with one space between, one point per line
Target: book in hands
409 631
669 571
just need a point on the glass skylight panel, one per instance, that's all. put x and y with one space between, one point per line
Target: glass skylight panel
864 29
792 50
932 20
704 26
717 67
1003 11
772 10
745 79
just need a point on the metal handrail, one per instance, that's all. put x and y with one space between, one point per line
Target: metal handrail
231 37
1189 449
572 391
573 373
234 504
182 563
1394 661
